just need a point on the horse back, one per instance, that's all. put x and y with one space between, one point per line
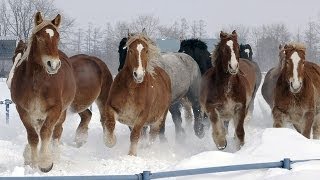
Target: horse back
248 70
312 71
93 80
184 74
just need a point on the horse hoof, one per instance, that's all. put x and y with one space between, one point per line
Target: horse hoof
200 133
110 142
47 169
220 148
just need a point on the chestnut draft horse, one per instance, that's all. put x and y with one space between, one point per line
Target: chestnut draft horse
227 89
93 80
270 80
140 94
297 92
43 86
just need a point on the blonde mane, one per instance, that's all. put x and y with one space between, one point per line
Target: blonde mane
295 46
154 52
33 32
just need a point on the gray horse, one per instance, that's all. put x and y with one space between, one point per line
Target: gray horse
270 80
185 79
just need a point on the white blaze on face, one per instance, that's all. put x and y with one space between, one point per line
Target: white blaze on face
140 71
233 60
50 32
247 51
16 60
295 79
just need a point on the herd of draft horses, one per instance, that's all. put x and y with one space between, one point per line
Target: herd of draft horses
217 87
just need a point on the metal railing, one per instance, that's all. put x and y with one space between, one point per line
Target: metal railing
147 175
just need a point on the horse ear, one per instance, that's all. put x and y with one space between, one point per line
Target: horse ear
144 32
38 18
57 20
223 35
234 33
280 46
128 34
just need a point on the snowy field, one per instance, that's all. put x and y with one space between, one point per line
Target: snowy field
263 144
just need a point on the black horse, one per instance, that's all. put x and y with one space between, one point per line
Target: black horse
246 51
198 50
122 52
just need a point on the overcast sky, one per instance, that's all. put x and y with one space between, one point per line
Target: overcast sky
216 13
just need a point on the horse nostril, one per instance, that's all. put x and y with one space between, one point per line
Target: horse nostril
49 63
135 74
230 66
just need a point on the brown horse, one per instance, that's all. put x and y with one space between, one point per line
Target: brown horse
297 92
43 87
140 94
270 80
93 80
227 89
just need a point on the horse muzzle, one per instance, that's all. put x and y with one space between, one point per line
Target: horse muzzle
233 71
52 66
138 77
295 87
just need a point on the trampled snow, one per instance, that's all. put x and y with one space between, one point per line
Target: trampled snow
263 144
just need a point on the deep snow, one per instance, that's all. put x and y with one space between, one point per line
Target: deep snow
263 144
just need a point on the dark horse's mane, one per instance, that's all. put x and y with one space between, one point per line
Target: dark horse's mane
193 43
123 43
122 52
244 54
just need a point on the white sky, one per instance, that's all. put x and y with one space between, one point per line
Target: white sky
216 13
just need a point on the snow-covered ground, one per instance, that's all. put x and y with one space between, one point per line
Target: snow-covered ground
263 144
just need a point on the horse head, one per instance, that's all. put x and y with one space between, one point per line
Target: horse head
293 68
227 53
44 44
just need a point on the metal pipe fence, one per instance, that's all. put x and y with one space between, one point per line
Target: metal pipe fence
147 175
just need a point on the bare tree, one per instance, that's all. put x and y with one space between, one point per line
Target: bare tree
149 22
194 29
17 16
201 29
184 27
171 32
312 40
242 32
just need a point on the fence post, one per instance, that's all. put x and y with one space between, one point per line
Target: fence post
146 175
286 163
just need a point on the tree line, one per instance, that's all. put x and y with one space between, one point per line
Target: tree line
102 40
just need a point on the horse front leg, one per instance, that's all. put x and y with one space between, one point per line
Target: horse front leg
316 127
135 136
278 117
30 153
57 132
177 120
218 130
108 123
308 119
46 132
238 120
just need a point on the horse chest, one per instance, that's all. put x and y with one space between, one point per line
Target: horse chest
228 108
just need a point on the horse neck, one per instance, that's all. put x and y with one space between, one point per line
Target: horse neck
31 66
220 73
